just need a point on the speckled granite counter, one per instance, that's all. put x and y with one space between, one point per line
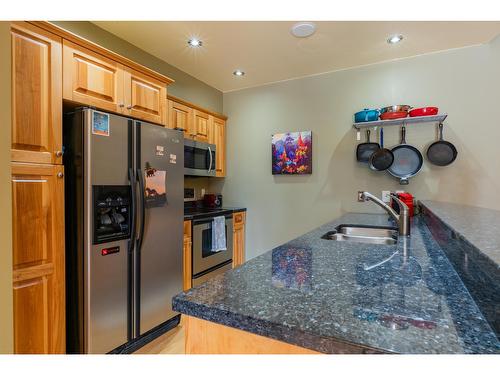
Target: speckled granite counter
317 294
470 237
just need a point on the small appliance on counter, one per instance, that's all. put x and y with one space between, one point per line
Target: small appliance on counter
189 195
212 200
407 199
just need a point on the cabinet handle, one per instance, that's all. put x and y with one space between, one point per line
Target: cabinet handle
60 175
59 153
129 107
121 105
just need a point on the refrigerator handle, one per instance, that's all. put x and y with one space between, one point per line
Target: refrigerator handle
142 209
133 209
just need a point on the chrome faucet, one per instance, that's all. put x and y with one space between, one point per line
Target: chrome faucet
403 218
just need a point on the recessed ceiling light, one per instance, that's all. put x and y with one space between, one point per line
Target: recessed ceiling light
303 29
195 43
395 39
239 73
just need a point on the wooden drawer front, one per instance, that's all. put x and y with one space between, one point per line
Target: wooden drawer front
91 79
239 218
38 258
36 95
179 116
145 98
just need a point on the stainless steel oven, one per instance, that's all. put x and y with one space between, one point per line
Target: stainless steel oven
199 158
208 263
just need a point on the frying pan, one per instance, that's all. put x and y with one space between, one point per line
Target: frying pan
407 160
365 150
382 158
441 153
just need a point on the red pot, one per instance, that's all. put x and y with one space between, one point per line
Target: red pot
424 111
393 115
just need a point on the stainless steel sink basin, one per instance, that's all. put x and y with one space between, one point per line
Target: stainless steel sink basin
363 233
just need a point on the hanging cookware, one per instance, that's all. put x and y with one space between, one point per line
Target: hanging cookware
366 149
407 160
441 153
396 108
382 158
393 115
366 115
424 111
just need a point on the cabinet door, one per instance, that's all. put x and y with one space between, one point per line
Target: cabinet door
38 258
92 79
238 238
219 130
200 125
187 258
145 97
36 95
179 116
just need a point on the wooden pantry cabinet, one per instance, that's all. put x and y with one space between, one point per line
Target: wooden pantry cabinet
38 258
36 95
95 80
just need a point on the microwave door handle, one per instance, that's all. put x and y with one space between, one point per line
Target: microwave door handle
211 159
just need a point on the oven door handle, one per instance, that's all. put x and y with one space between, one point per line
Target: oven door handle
211 159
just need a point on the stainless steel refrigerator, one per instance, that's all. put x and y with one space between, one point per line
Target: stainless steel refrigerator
124 229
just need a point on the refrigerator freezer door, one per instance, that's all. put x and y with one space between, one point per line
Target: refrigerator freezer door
160 159
107 158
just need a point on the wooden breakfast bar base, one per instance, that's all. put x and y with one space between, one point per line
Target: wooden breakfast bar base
204 337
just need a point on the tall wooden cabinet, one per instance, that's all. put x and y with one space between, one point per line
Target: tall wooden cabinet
36 95
38 258
37 191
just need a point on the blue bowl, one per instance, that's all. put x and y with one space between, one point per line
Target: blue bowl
366 115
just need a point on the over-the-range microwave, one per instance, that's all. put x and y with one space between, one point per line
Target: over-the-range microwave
199 158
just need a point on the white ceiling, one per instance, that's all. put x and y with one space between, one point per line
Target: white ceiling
267 52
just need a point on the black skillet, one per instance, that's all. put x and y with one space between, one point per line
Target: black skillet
407 160
441 153
382 158
366 149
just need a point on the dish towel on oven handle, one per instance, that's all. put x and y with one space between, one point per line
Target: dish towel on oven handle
219 234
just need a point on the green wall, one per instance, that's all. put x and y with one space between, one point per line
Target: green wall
185 87
6 325
462 82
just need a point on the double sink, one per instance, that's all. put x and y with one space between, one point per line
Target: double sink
363 233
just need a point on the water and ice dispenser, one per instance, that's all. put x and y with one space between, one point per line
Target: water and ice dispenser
111 213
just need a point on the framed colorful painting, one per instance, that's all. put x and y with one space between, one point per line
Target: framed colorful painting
292 153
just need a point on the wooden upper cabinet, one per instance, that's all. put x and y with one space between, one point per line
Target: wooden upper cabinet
36 95
92 79
145 97
219 136
38 258
200 125
179 116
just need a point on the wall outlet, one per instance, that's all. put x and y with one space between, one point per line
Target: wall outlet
202 192
386 196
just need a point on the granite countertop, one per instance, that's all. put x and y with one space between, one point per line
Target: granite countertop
474 224
317 294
